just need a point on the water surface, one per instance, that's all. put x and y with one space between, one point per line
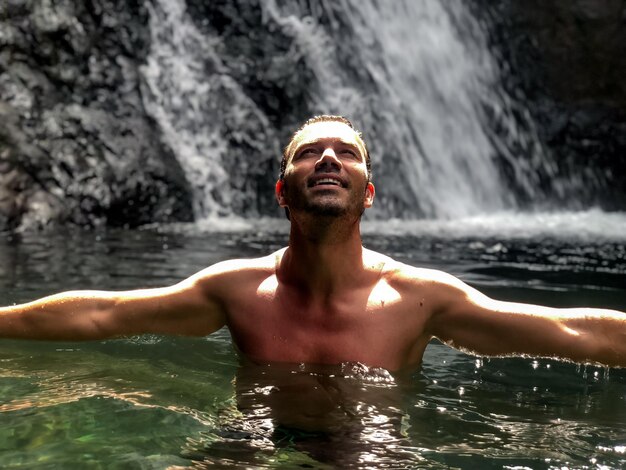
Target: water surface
155 402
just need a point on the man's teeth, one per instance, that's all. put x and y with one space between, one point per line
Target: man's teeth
327 181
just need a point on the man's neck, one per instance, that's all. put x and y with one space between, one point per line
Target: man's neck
324 256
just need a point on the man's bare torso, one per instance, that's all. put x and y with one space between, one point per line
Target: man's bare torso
381 322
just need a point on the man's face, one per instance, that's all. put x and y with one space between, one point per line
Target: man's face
326 172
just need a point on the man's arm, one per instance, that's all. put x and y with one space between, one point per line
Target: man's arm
191 307
469 320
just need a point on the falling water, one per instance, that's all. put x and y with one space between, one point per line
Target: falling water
418 85
174 75
437 82
196 103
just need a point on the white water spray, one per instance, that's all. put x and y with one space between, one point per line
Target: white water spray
435 84
195 101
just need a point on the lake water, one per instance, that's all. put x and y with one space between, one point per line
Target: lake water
156 402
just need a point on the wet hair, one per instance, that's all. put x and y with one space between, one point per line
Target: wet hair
314 120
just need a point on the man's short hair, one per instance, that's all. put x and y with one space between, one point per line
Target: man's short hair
323 118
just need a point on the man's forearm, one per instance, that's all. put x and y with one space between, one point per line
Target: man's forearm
602 334
474 322
78 315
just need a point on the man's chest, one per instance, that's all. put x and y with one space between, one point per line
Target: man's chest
374 327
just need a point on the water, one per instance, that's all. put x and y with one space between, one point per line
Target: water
446 140
153 402
437 79
201 110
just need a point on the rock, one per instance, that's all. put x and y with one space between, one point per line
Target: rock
76 144
566 61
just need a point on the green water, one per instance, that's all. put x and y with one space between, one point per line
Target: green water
158 402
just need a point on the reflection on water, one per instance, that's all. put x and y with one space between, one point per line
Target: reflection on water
156 402
337 415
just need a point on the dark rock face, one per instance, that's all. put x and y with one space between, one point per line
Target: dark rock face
566 62
75 143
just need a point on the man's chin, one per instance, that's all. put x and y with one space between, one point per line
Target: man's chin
329 209
326 210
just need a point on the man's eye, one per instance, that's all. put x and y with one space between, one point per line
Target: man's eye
308 152
348 153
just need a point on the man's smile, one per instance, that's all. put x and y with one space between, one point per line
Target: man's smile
326 180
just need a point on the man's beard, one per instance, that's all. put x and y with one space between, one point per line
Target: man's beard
325 209
326 206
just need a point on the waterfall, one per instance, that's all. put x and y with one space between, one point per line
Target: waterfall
424 91
177 97
191 95
436 83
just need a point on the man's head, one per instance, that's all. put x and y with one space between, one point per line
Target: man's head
326 170
289 149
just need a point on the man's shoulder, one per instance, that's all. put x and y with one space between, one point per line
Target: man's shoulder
394 271
242 267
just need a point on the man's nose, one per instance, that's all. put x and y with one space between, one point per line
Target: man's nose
328 159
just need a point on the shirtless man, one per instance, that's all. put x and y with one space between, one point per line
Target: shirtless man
325 299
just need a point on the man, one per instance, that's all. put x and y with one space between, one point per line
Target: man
325 299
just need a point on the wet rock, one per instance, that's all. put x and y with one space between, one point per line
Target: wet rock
566 62
76 145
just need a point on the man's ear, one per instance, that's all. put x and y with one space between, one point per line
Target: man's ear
278 191
370 192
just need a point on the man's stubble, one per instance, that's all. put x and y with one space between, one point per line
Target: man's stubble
326 206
